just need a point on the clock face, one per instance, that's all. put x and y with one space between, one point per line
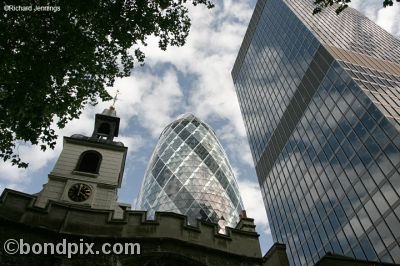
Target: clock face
79 192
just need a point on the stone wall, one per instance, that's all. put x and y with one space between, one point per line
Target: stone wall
167 240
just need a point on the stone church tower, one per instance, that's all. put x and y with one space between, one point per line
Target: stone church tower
89 170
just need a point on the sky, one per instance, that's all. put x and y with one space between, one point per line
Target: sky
194 78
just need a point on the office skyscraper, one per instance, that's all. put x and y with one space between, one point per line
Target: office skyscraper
189 173
320 100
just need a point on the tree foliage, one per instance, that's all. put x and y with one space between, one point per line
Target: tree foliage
54 63
342 4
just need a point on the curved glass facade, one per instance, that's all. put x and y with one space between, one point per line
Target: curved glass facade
322 113
189 173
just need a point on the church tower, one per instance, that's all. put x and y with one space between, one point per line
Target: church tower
89 170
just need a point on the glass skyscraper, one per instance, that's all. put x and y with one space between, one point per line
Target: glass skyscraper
189 173
320 98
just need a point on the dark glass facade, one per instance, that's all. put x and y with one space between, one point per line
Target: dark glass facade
189 173
320 98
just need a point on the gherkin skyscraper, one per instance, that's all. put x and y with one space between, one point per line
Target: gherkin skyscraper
189 173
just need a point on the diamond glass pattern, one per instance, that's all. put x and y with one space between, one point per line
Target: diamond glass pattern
189 174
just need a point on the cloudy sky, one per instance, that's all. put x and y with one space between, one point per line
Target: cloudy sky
194 78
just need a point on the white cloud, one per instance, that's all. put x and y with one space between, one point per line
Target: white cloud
160 103
388 18
152 98
133 143
237 147
131 89
10 174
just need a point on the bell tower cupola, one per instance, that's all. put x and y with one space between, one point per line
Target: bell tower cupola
106 125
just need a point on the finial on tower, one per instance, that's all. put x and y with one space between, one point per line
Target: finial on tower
115 99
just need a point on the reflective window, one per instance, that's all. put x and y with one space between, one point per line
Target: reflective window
323 129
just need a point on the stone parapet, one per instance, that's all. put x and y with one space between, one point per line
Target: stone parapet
163 234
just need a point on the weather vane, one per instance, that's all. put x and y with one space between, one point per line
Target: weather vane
115 99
